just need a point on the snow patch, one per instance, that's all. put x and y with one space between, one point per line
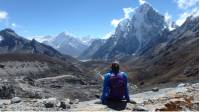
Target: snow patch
169 23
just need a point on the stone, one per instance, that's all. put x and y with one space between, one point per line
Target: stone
2 66
76 101
1 105
67 100
181 85
64 105
15 100
51 102
49 105
155 89
139 108
97 95
6 91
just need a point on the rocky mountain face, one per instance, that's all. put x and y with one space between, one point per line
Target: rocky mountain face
67 44
95 45
145 29
175 60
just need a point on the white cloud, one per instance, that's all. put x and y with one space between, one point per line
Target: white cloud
128 13
185 4
168 16
182 18
189 7
142 2
3 15
13 25
115 22
194 12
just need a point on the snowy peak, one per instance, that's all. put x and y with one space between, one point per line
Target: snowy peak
146 15
66 43
145 28
87 40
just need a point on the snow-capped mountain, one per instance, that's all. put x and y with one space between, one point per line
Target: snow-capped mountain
67 44
133 35
11 42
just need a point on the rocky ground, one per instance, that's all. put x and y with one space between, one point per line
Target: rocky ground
39 76
184 97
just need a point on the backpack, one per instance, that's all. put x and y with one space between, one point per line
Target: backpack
117 86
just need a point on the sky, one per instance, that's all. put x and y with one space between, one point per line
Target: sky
81 18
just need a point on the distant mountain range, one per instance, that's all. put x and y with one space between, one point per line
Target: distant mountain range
10 42
66 43
133 37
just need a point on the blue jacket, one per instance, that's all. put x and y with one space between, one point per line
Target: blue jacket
106 88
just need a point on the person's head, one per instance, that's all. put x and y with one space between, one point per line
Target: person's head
115 67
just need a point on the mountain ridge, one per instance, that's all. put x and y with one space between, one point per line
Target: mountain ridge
144 29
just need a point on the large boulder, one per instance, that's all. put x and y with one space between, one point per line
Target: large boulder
51 102
16 100
6 91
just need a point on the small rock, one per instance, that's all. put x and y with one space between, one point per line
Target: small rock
155 89
15 100
67 101
181 85
63 105
139 108
1 105
98 102
97 96
6 90
51 102
49 105
2 66
76 101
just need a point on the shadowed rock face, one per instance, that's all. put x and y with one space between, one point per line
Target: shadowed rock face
95 45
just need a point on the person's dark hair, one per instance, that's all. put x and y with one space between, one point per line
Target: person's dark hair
115 67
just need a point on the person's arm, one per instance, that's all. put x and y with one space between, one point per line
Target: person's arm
126 87
105 88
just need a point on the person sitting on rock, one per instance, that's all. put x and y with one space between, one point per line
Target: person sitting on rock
115 85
